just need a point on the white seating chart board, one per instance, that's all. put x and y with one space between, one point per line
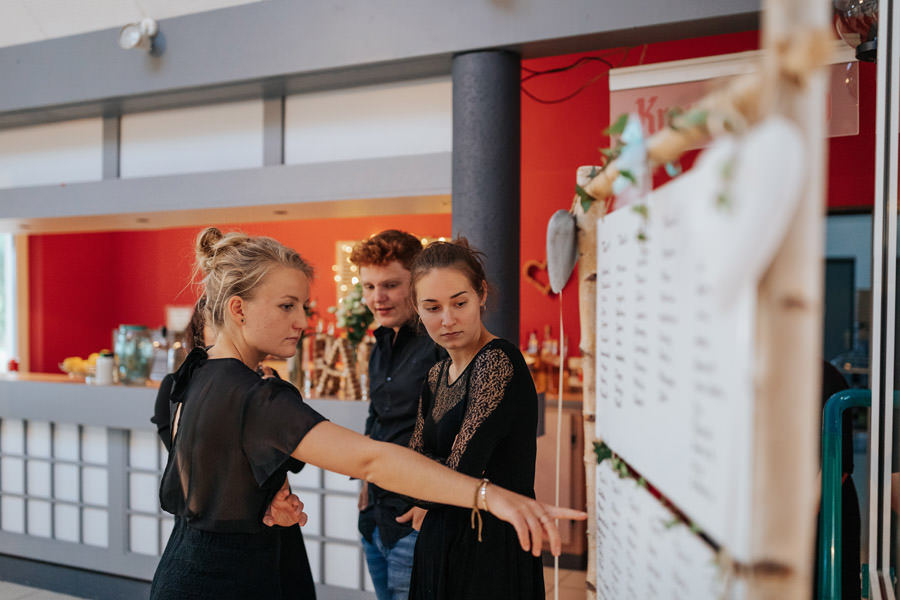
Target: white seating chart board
676 302
673 375
642 554
676 297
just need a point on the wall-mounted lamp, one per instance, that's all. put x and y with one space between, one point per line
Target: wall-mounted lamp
139 35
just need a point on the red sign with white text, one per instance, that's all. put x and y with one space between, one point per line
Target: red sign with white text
652 103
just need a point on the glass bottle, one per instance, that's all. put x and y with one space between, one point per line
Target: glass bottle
134 354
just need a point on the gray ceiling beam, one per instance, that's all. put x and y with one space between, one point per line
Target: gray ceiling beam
275 47
417 184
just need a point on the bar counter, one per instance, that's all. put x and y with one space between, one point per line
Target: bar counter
79 477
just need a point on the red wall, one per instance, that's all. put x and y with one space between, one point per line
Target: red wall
129 276
558 138
83 285
851 159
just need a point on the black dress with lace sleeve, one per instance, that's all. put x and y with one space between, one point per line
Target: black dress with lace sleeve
482 424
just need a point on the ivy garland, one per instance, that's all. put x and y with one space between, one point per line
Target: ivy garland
677 119
621 468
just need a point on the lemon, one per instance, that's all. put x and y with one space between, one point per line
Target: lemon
73 364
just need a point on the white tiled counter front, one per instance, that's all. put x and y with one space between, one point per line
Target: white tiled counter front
79 479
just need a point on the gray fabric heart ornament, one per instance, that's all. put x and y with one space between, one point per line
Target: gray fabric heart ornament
562 249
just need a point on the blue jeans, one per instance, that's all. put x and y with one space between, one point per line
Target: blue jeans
390 568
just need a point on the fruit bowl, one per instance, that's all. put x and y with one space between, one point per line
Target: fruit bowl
78 371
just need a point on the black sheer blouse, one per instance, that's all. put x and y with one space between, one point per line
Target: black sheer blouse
232 448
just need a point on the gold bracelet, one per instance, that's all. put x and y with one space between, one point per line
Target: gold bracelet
480 494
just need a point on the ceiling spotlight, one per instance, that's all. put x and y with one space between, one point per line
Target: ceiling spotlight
139 35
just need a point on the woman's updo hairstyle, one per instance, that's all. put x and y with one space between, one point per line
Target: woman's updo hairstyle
234 264
456 254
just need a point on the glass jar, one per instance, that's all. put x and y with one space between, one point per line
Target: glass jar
134 354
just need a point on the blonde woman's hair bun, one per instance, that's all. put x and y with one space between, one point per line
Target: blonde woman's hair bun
206 247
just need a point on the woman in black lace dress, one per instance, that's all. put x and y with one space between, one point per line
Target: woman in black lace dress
236 435
478 416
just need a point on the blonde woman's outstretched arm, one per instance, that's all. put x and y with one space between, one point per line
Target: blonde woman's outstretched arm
401 470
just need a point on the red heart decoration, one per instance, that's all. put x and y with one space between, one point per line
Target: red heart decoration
531 270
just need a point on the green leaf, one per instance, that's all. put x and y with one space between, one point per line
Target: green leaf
694 118
586 199
672 118
728 169
641 236
618 127
671 523
641 209
628 175
602 451
674 112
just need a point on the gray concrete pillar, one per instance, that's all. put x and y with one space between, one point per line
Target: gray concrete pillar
486 174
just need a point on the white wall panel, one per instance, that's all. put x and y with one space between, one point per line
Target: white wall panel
144 492
65 482
39 518
94 486
341 514
311 503
96 528
342 565
12 514
67 522
94 445
143 450
39 439
313 553
370 122
65 441
144 534
215 137
165 530
12 436
336 481
55 153
39 478
12 475
307 477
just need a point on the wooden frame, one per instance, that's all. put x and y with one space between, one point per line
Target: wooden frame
788 82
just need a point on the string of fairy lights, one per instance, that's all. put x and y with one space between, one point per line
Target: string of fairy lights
346 274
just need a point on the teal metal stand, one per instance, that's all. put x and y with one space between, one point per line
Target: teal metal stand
832 472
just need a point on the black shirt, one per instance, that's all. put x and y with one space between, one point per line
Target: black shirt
234 443
397 369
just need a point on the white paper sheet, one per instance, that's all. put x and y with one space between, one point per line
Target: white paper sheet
675 322
643 552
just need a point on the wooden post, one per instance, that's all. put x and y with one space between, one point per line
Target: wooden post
789 323
586 224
